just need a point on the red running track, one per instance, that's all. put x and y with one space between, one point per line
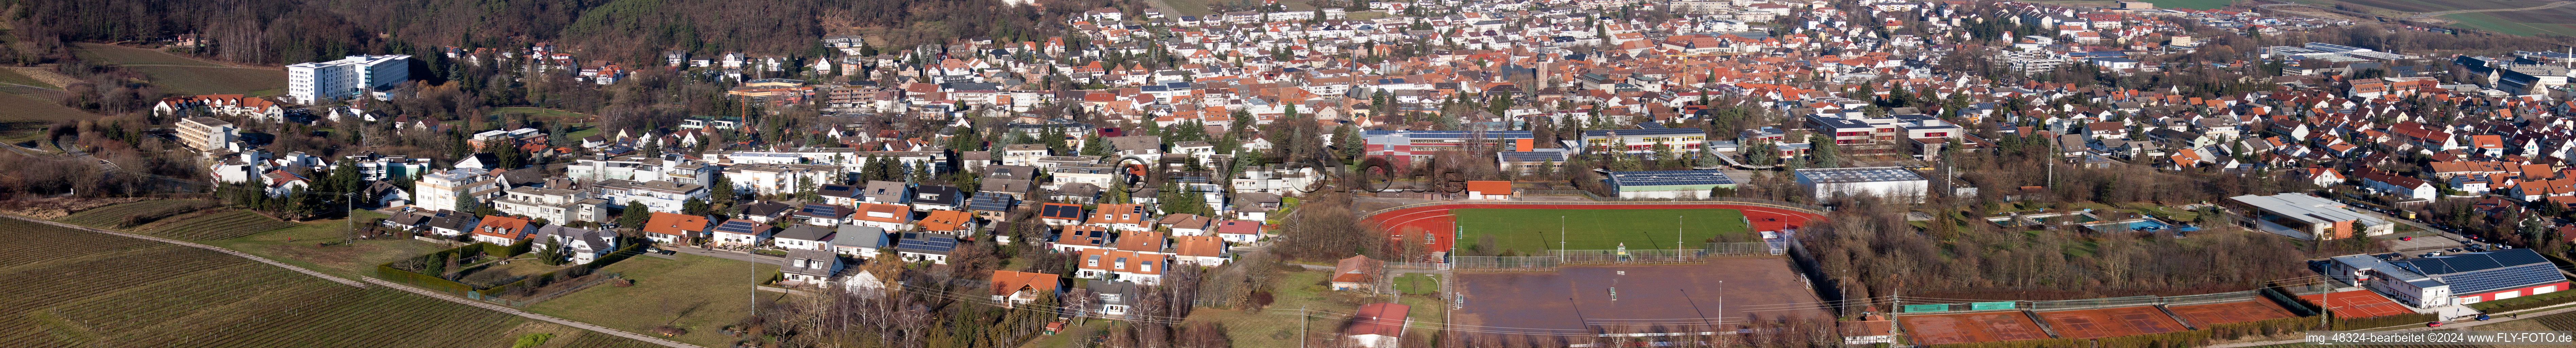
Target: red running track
1435 220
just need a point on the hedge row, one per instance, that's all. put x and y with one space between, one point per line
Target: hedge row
2382 321
630 249
2525 302
2266 327
513 249
424 280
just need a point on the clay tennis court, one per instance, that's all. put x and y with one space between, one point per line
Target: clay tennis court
2107 322
1970 328
2201 315
2357 304
1575 302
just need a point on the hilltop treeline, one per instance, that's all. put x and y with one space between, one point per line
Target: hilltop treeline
291 31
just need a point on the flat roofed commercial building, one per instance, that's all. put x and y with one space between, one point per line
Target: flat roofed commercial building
1668 183
2318 218
1894 183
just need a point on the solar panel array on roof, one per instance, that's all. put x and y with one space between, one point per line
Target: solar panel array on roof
1671 177
927 242
1644 132
1871 174
2472 273
742 227
1531 156
1063 211
991 201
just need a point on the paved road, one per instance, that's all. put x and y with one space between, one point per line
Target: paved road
2418 327
346 281
507 309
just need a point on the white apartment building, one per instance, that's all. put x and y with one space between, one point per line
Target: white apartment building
556 205
206 133
441 190
654 196
310 83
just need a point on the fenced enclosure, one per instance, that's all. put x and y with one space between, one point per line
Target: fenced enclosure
1917 305
1552 259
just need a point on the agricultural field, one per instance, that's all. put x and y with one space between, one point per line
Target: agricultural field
76 288
213 225
699 294
2549 21
121 55
118 216
8 76
2421 6
1531 230
23 108
216 80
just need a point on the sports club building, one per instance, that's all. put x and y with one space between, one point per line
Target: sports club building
2457 279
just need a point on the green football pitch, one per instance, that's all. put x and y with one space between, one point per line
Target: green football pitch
1529 230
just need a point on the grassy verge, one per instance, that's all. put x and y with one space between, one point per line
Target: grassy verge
699 294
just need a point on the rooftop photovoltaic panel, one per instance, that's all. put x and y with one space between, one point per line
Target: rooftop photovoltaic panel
1644 132
1531 156
742 227
1671 177
1873 174
2466 262
2502 278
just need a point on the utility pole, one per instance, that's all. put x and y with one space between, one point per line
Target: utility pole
1301 326
1677 236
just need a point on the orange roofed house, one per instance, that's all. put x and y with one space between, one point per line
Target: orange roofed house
1014 288
1130 266
668 228
502 230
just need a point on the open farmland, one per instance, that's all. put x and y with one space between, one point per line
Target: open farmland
121 55
120 215
2421 6
15 107
214 80
2549 21
1531 230
214 225
74 288
700 294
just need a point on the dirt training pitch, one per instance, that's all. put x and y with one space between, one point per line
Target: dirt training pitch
2107 322
1576 302
2231 312
1970 327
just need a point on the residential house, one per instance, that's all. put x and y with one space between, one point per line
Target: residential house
503 230
803 237
1011 289
813 266
933 247
668 228
582 246
1204 251
740 233
1120 265
1239 231
1060 214
1122 217
860 241
892 217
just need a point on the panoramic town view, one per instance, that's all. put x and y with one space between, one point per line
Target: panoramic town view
1286 173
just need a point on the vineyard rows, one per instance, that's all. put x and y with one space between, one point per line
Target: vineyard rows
114 216
122 293
216 226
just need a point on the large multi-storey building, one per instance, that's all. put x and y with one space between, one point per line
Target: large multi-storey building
442 190
333 80
206 133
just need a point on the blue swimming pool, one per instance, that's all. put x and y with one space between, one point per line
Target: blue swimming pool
2148 225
